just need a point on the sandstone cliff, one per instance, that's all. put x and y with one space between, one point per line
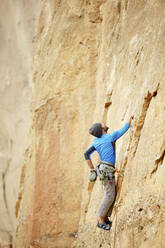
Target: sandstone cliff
18 21
95 60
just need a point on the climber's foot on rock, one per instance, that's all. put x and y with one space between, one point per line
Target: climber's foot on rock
103 226
107 221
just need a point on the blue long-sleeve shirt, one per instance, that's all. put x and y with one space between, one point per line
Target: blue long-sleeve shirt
104 145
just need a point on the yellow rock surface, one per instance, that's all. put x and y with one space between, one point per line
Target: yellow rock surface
18 20
95 61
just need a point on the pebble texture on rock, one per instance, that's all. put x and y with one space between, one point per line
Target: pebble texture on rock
95 61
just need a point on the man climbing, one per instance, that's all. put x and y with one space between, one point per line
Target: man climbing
104 144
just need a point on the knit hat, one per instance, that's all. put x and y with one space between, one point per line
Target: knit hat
96 130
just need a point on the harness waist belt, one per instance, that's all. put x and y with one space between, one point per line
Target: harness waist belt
103 162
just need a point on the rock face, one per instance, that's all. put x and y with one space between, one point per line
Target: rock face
17 29
95 61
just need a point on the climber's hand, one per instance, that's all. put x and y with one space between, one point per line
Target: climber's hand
130 119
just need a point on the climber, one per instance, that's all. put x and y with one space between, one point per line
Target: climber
104 144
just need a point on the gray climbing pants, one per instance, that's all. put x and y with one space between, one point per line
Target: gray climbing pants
106 205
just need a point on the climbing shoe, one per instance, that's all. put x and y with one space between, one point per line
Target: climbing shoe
108 222
103 226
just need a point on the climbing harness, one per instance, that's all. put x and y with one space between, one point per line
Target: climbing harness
106 171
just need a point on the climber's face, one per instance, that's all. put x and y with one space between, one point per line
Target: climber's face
104 127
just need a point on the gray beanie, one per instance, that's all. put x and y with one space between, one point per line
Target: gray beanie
96 130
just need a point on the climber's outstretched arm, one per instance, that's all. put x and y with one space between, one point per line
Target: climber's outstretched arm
117 134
